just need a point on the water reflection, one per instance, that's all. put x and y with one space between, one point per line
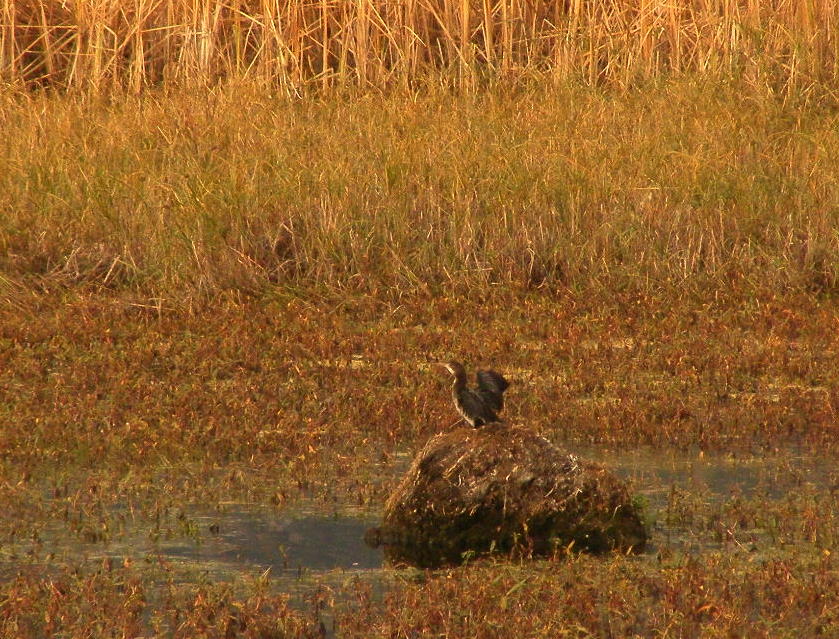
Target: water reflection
265 539
216 544
655 473
234 539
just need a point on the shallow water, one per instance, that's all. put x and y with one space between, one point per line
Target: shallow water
311 541
220 543
261 537
653 473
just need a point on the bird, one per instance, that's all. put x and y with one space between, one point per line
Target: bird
480 405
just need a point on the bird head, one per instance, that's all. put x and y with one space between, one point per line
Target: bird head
455 368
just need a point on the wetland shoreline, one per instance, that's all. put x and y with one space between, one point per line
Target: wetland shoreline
168 417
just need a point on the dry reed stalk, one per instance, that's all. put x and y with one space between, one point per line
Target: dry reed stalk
98 44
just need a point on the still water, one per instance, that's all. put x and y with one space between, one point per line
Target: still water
309 540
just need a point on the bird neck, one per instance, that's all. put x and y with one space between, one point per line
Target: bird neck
459 382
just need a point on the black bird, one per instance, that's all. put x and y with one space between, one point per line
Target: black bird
480 405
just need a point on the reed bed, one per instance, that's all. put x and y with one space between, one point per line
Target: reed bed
96 45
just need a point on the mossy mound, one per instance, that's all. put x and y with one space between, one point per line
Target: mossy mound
503 488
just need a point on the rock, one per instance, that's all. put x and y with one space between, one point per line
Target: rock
503 488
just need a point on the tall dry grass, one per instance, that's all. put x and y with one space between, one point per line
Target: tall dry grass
688 186
101 44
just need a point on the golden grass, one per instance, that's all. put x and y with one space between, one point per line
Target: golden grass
688 185
101 44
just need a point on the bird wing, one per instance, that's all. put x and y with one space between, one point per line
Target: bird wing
474 407
491 387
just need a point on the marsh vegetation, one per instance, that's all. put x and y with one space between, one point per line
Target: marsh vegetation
232 237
